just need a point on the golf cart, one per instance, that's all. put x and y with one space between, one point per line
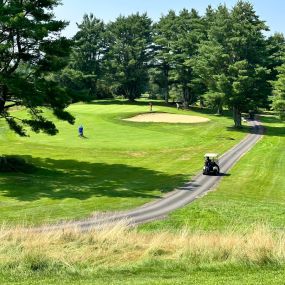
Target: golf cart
211 165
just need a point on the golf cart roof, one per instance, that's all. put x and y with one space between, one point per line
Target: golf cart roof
211 155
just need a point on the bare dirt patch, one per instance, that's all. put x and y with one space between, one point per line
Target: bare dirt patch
167 118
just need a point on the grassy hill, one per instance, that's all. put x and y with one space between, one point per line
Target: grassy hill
234 235
118 165
252 194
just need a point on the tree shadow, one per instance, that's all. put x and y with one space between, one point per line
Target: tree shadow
208 111
271 119
119 102
274 131
267 131
61 179
160 103
243 129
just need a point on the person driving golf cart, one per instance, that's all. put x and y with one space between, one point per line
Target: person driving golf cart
211 164
208 161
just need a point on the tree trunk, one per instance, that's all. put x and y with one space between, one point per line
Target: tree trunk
129 93
131 97
3 97
186 97
166 87
166 94
220 109
237 117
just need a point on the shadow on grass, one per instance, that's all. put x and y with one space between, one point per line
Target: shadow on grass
208 111
268 130
122 102
271 119
275 131
61 179
161 103
243 129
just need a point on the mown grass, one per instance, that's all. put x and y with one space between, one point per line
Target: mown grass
216 240
253 193
118 165
104 257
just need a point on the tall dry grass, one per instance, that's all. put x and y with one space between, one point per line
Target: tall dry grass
117 245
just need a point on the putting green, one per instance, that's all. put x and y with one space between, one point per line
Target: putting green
119 165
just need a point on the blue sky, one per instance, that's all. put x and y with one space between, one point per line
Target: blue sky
271 11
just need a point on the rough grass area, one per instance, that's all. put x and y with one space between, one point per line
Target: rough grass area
104 257
253 193
118 165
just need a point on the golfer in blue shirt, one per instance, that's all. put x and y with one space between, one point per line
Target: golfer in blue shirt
80 131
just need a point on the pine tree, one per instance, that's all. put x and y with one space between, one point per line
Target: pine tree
232 60
30 52
164 33
128 56
89 53
190 31
278 103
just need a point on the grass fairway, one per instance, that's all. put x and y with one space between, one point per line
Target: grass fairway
155 273
119 165
79 176
254 193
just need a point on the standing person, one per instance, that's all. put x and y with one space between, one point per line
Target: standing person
80 131
177 106
150 106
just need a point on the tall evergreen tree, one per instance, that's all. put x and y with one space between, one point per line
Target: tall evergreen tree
232 60
278 103
129 54
276 63
164 33
275 46
190 31
31 50
89 52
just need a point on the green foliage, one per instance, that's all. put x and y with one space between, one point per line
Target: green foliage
190 31
278 103
214 100
73 81
231 60
129 39
163 36
224 51
30 52
89 55
275 46
177 38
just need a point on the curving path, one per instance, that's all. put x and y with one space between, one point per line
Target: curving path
178 198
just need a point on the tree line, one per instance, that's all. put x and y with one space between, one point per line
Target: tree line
221 59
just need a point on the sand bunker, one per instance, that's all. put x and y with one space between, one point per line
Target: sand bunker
167 118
